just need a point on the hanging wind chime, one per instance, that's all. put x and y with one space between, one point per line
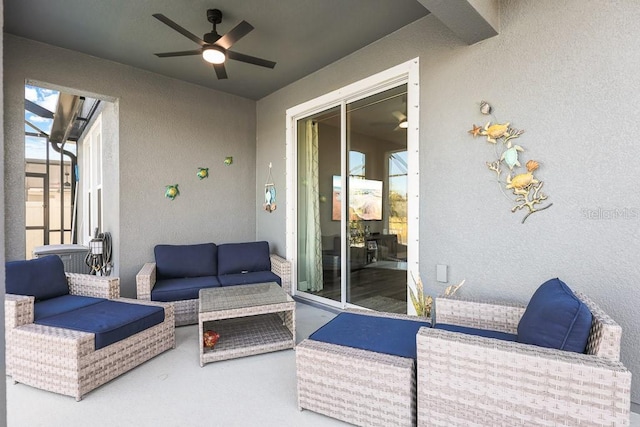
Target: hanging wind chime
269 193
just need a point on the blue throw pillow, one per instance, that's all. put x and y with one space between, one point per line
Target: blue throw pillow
178 261
235 258
555 318
42 278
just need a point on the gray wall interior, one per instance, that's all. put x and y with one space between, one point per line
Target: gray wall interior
566 72
166 130
3 387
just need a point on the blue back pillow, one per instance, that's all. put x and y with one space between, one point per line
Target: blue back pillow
178 261
555 318
42 278
234 258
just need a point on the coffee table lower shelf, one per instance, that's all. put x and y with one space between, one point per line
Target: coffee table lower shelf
246 336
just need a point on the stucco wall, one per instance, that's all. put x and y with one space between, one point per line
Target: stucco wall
166 130
566 72
3 388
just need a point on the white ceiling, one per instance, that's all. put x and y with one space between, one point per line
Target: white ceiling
301 36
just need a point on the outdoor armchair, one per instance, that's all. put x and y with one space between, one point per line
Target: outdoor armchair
479 380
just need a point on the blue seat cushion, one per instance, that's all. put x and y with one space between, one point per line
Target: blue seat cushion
62 304
378 334
175 261
182 289
246 278
42 278
236 258
475 331
555 318
110 321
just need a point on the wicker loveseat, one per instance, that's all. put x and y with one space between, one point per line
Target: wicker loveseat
73 361
478 380
180 271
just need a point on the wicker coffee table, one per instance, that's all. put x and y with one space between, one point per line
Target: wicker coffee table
251 319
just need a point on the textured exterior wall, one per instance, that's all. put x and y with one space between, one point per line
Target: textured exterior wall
166 130
566 72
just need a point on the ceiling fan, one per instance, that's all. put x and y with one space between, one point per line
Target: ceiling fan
214 48
400 123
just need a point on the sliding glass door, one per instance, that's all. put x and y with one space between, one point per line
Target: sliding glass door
348 202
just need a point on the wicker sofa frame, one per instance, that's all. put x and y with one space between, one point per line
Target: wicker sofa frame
186 311
467 380
357 386
64 361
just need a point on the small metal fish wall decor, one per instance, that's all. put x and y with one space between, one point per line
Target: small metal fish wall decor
524 186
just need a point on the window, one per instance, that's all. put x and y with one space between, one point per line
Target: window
357 164
92 180
398 195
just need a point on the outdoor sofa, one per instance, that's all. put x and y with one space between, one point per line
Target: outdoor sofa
71 333
180 271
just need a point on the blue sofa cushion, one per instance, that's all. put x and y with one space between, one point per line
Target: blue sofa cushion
246 278
42 278
555 318
378 334
62 304
175 261
110 321
235 258
182 289
475 331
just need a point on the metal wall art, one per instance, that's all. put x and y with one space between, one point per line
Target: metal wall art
524 185
171 191
269 193
203 173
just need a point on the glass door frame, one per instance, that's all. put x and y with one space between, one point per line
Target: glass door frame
405 73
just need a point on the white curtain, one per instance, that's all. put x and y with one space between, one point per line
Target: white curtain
312 232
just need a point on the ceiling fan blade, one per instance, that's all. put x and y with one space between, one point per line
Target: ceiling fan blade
221 71
37 110
160 17
250 59
236 33
399 116
182 53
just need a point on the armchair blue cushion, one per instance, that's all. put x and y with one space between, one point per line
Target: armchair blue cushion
110 321
378 334
42 278
62 304
555 318
178 261
477 332
236 258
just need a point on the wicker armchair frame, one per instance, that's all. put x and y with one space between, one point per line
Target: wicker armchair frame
467 380
65 361
186 311
357 386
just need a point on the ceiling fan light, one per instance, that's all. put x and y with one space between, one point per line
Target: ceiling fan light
403 124
213 55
